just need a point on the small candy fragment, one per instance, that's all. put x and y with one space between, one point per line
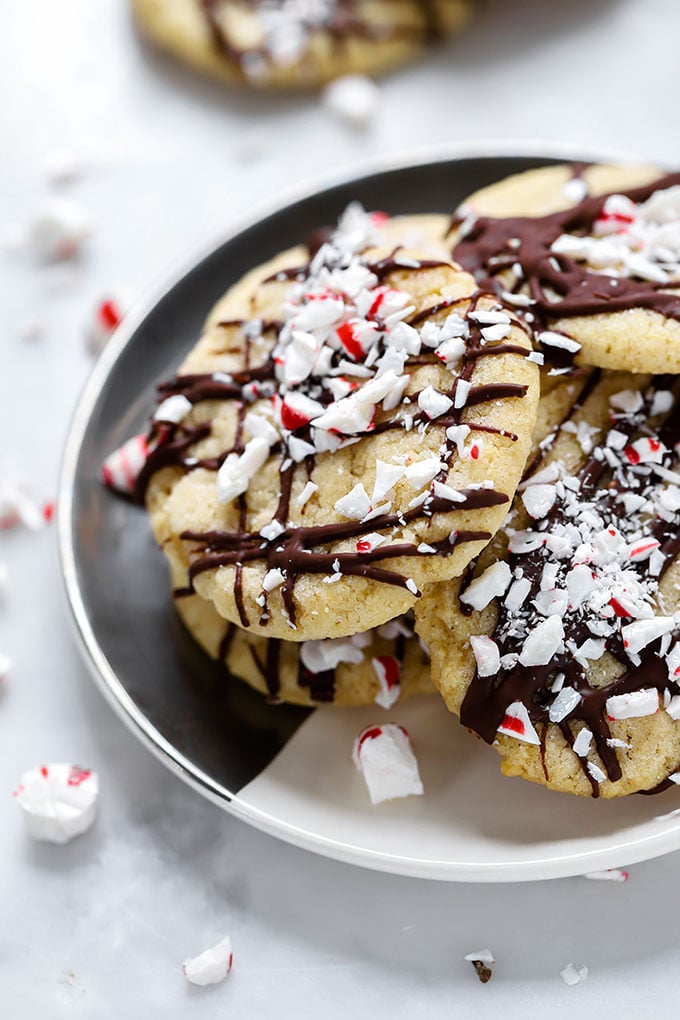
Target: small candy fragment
387 669
105 318
212 966
493 583
173 409
236 472
611 875
634 704
572 976
58 230
353 98
59 801
17 507
121 468
384 755
482 960
516 723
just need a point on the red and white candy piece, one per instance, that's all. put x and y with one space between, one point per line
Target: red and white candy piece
121 468
211 966
388 671
105 318
58 230
58 801
384 756
611 875
634 704
516 723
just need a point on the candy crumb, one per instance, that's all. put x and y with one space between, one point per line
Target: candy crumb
610 875
572 976
211 966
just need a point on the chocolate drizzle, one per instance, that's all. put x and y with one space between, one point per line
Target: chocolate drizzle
558 286
488 698
310 550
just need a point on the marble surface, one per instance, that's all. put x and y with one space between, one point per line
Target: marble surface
99 928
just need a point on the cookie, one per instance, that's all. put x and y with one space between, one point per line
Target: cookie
561 649
384 666
296 43
589 256
346 430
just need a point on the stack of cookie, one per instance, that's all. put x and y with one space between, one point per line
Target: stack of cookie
364 437
296 43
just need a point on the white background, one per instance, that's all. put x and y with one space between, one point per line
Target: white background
99 928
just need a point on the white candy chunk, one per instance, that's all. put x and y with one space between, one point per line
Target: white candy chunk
274 578
572 976
491 584
58 801
517 594
371 541
443 491
662 401
582 743
211 966
451 351
487 655
121 468
492 334
539 500
482 955
355 504
386 477
403 337
634 704
388 670
566 701
551 602
580 585
258 425
516 723
326 654
348 416
673 707
611 875
299 448
433 403
596 772
173 409
422 472
58 230
458 434
307 493
591 650
235 474
641 633
384 755
560 340
523 542
673 662
627 401
575 189
272 530
461 393
295 360
543 642
353 98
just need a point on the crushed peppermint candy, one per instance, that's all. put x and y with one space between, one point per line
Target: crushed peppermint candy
610 875
384 756
581 583
573 976
388 671
58 801
211 966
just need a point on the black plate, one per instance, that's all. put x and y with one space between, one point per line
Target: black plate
215 730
